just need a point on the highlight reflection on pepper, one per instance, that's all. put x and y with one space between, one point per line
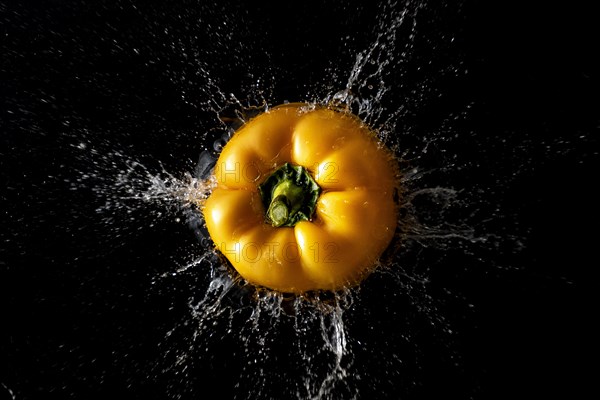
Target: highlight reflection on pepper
304 199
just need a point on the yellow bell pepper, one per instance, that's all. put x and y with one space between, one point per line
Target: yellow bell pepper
304 199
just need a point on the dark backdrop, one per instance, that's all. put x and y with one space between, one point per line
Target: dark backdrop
79 78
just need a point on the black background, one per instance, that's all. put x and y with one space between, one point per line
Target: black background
78 319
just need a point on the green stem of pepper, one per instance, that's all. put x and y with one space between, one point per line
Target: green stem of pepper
279 211
289 195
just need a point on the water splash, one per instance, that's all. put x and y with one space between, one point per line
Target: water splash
366 86
10 392
313 331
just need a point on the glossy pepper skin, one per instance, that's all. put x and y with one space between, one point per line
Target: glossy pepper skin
355 215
